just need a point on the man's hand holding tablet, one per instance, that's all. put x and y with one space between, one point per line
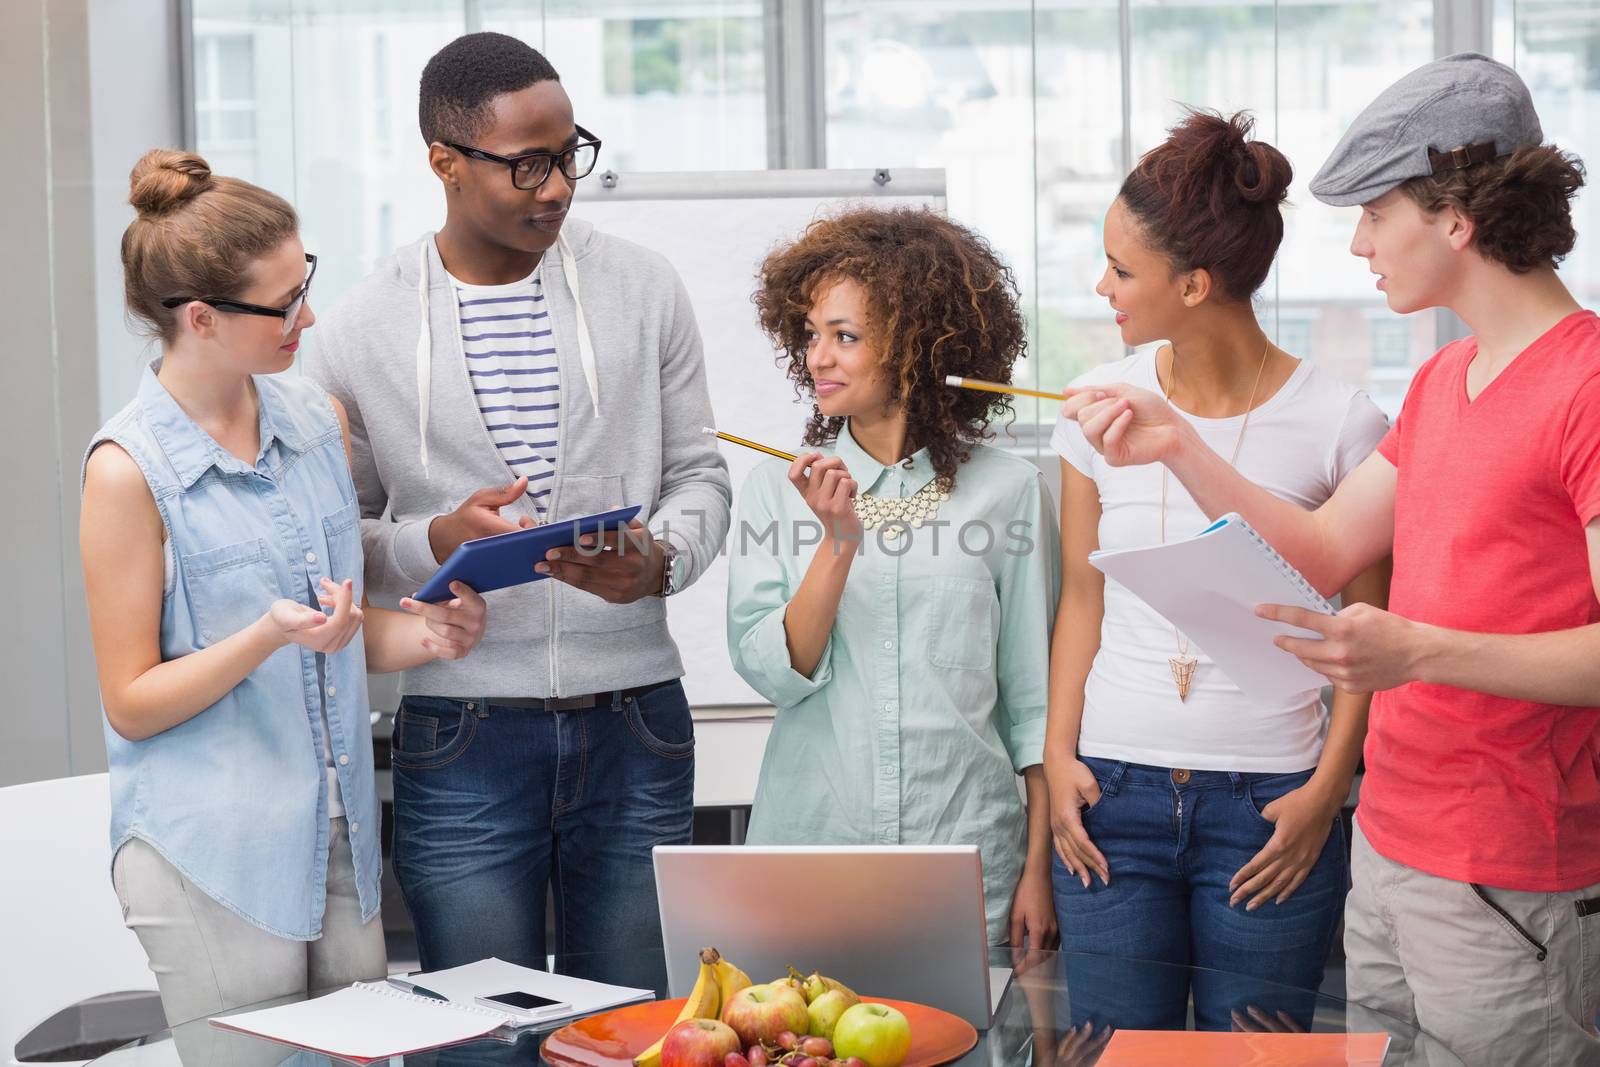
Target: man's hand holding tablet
618 565
522 555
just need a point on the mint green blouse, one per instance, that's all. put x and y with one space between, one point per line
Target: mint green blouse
930 697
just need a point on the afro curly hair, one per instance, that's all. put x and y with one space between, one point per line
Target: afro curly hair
464 75
939 301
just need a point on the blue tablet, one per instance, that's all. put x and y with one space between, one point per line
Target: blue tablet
504 560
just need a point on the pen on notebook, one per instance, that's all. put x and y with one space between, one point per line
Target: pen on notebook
412 987
997 387
790 456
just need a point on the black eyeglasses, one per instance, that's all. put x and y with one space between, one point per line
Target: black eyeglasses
529 170
288 314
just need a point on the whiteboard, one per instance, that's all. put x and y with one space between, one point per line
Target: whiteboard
716 228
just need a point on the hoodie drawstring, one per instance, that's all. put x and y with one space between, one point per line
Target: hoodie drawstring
424 355
569 269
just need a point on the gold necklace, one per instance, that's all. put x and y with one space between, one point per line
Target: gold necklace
1182 665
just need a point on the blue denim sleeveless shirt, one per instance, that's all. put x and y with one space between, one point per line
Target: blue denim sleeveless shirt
236 798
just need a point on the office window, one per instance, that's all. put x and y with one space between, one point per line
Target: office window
1555 46
1294 334
666 85
1007 94
1391 342
1034 108
224 91
1021 107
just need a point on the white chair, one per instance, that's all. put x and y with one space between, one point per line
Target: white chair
61 935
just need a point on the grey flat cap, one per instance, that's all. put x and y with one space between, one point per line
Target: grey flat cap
1442 116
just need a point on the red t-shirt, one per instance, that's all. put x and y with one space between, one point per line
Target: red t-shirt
1490 508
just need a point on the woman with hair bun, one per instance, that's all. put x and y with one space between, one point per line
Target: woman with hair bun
1193 825
221 548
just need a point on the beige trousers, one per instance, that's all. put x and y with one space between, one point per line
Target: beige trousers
206 959
1502 978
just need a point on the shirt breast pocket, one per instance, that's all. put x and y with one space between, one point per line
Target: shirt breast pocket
229 588
342 530
961 625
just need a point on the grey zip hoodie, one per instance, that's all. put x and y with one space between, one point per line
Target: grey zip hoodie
633 402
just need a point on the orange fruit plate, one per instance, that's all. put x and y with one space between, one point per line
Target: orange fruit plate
613 1038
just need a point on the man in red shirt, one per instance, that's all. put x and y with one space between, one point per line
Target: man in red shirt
1475 911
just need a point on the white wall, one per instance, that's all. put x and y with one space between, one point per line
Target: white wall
84 81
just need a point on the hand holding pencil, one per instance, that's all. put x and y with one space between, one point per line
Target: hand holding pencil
823 482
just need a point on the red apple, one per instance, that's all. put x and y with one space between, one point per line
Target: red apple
876 1033
760 1013
698 1043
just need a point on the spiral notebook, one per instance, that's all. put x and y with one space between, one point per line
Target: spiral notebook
367 1021
1208 586
374 1020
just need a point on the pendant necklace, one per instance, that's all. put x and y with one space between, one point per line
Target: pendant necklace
1183 664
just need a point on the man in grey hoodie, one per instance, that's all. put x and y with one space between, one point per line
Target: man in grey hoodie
517 368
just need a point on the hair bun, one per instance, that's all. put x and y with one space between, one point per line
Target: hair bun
1263 174
165 178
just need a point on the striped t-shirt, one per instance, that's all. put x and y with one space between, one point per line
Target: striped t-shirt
511 362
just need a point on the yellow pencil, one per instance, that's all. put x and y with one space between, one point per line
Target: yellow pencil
790 456
996 387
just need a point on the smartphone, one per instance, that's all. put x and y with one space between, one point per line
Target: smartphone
520 1002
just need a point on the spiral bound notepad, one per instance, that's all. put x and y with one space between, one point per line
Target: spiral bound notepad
1208 586
367 1021
374 1020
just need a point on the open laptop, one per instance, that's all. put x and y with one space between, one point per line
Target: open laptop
902 922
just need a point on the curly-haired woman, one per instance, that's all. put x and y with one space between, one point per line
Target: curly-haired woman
892 591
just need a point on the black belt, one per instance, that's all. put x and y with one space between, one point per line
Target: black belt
578 703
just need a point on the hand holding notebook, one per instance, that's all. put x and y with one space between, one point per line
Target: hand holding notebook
1209 585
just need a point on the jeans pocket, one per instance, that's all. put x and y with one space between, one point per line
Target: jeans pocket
659 718
1263 789
1099 801
1104 771
430 732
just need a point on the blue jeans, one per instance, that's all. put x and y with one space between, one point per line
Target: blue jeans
493 804
1173 839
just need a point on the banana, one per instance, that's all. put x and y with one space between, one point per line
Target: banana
730 979
704 1002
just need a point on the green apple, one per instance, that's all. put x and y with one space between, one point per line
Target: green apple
824 1012
875 1033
